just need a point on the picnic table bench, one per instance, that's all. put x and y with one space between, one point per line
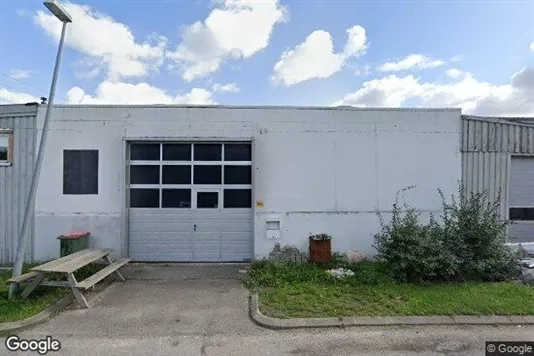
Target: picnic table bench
66 266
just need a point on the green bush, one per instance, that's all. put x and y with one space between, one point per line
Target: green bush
474 233
469 243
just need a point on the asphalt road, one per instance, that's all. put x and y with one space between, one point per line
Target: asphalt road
203 311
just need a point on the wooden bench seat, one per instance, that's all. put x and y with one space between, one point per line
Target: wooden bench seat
103 273
26 277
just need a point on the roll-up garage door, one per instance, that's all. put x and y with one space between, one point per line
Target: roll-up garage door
190 202
521 201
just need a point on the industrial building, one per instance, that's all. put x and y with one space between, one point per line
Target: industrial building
225 184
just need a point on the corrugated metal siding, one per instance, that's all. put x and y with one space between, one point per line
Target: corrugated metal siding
486 172
487 145
15 179
497 135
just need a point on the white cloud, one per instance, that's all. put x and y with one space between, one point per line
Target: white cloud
457 58
235 29
229 87
532 46
411 62
473 96
109 92
20 73
110 45
315 57
16 97
454 73
363 71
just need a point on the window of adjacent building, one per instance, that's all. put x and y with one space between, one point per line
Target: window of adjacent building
80 172
521 214
6 147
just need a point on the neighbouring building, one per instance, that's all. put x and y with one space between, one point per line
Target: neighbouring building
225 184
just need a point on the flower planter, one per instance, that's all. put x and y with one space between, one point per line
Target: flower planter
320 251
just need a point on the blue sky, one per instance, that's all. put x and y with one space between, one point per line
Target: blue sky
478 55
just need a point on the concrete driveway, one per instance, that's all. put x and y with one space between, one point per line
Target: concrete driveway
203 310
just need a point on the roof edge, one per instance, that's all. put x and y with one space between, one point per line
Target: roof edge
248 107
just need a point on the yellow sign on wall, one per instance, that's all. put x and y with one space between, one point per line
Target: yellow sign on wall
259 203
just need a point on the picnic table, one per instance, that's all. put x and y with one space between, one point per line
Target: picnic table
66 266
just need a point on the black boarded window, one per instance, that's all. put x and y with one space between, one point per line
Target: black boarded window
80 172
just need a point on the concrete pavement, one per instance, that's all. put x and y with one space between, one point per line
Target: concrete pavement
203 310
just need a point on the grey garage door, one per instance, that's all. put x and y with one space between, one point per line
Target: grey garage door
521 201
190 202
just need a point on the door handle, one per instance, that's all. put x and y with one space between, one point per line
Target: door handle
195 227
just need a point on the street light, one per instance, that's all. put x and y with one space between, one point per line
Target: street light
65 18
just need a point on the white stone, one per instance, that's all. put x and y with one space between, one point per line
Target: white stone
355 256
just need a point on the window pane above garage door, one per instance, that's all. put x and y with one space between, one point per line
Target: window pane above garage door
144 151
237 152
176 151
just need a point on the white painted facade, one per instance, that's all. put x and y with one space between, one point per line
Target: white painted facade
315 169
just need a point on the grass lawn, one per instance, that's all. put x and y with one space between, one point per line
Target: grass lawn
39 300
303 290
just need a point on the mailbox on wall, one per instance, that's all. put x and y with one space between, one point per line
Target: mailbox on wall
272 228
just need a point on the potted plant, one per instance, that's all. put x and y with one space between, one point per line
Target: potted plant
320 249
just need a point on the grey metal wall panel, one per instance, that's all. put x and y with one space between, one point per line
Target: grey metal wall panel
522 182
15 180
521 232
222 235
486 172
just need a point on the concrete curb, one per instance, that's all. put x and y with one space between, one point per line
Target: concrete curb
276 323
36 319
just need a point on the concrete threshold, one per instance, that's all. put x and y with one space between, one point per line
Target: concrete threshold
340 322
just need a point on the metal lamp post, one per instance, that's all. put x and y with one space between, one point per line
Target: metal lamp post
63 16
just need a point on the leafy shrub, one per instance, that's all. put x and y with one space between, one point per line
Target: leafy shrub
475 234
469 244
412 251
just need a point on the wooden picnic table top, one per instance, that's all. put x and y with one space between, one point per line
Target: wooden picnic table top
74 261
